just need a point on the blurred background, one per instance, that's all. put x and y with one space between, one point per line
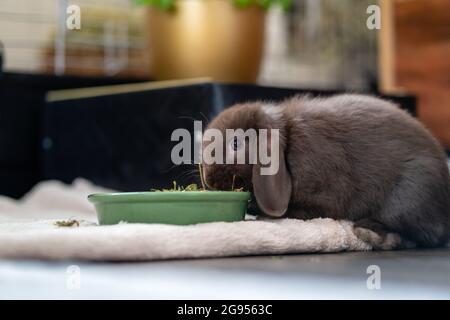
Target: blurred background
301 44
322 43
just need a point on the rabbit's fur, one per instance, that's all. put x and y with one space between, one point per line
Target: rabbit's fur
351 157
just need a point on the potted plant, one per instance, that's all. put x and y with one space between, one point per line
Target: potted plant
221 39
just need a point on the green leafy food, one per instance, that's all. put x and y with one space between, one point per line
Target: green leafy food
188 188
67 223
178 188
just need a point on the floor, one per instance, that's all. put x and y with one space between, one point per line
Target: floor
411 274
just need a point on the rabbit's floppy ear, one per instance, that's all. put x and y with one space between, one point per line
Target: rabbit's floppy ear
273 192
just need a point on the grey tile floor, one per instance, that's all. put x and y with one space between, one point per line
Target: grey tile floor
411 274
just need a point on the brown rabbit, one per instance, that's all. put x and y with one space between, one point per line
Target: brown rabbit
351 157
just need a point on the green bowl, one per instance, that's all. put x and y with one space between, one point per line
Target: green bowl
180 208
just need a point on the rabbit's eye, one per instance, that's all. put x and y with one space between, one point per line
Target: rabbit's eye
236 144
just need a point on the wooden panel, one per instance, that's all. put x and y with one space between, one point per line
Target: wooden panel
422 59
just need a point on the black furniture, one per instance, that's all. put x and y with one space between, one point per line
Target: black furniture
22 99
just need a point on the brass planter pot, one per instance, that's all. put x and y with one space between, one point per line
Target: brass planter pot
206 38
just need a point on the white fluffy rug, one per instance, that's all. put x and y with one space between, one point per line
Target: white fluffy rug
28 230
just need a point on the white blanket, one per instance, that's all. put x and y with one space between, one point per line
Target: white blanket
28 230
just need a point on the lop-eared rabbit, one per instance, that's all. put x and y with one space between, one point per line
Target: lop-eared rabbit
352 157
